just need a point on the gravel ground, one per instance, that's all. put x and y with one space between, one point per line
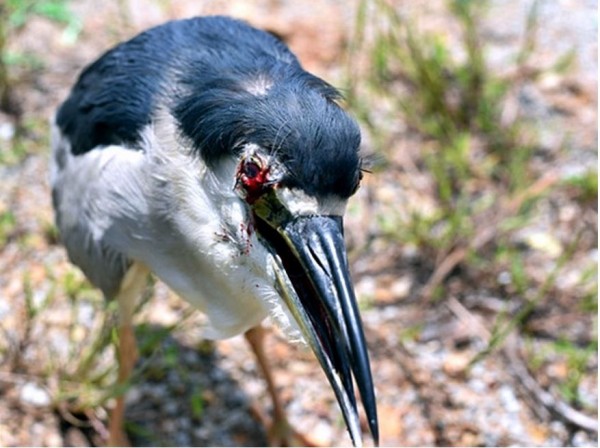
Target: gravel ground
194 393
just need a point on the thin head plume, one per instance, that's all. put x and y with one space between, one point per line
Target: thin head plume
278 145
372 162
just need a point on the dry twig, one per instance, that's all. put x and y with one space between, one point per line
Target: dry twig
554 404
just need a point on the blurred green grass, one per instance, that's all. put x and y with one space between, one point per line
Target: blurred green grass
486 188
487 184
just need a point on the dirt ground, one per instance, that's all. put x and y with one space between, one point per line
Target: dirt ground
192 393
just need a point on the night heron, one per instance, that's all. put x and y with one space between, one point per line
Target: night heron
202 152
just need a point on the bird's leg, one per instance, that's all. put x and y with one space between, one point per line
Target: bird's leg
127 357
281 433
131 288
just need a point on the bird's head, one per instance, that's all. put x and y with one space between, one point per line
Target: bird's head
297 162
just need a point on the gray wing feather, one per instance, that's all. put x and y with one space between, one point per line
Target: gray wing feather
91 205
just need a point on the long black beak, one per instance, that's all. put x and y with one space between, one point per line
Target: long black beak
317 288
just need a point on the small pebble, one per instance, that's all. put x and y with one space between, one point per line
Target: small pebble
321 434
455 364
7 131
504 278
34 395
581 438
508 399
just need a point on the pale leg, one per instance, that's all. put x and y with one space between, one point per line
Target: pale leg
127 354
281 432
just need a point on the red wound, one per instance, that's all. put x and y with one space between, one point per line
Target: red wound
253 178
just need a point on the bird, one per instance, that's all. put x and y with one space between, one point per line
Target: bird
201 152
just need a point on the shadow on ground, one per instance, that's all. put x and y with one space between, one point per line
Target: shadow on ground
181 396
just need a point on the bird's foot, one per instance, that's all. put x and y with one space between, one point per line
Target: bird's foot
116 431
279 430
282 433
118 437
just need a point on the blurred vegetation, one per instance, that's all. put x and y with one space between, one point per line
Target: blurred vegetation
478 152
477 158
478 155
17 66
19 11
14 15
6 102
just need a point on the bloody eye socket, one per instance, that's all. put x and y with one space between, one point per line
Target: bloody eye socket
252 180
251 170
